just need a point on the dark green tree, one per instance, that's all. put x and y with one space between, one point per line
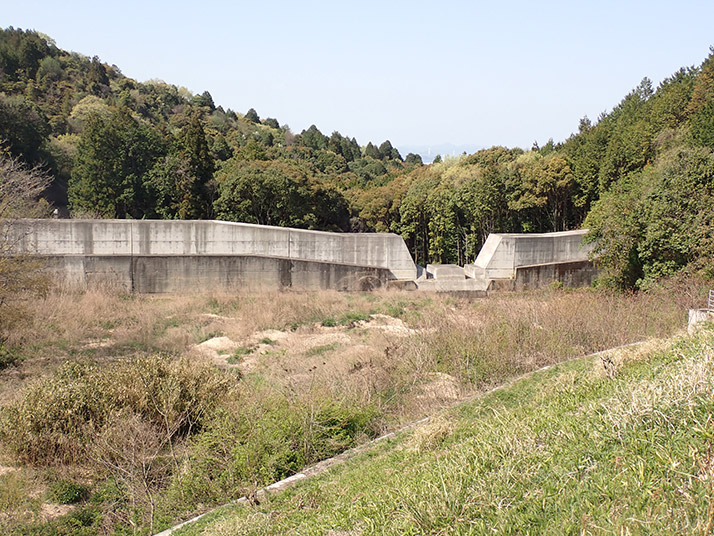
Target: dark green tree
388 152
172 187
368 169
414 159
280 192
23 129
114 157
272 123
313 138
204 100
657 222
252 116
97 79
193 147
371 151
267 193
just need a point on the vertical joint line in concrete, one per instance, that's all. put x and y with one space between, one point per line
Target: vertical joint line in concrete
131 255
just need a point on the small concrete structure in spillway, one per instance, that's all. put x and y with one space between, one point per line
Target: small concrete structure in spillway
162 256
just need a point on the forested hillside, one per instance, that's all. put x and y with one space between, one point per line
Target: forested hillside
641 176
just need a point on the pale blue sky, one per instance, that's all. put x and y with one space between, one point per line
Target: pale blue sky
414 72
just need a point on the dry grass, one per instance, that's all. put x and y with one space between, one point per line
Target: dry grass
396 356
476 342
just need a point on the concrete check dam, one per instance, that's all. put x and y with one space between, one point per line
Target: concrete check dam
163 256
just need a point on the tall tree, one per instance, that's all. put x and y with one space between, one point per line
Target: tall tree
252 116
97 79
372 151
113 159
313 138
195 151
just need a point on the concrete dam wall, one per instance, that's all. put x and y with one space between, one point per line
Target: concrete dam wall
518 261
179 256
173 256
503 253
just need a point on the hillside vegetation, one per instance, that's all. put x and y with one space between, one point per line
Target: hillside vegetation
639 176
620 443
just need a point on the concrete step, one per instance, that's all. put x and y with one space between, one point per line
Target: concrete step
445 271
474 272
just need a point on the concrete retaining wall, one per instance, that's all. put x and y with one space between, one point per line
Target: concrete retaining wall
502 253
198 273
212 238
569 274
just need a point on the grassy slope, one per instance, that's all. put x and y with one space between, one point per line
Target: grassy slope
615 446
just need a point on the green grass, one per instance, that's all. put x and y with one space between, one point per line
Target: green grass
319 350
239 354
347 319
575 449
203 337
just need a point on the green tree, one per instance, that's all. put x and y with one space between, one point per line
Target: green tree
414 159
205 100
23 129
267 193
252 116
657 222
272 123
414 218
368 169
113 159
541 190
97 79
313 138
278 192
172 187
385 150
372 151
193 147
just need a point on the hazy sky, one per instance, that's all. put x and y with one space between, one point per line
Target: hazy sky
413 72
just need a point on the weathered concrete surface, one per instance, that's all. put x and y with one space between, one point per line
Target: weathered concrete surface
466 287
212 238
502 253
569 274
445 271
699 317
519 262
197 273
173 256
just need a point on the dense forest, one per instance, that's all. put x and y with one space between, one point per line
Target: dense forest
640 177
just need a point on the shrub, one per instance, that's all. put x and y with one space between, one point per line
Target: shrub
8 357
67 492
58 417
